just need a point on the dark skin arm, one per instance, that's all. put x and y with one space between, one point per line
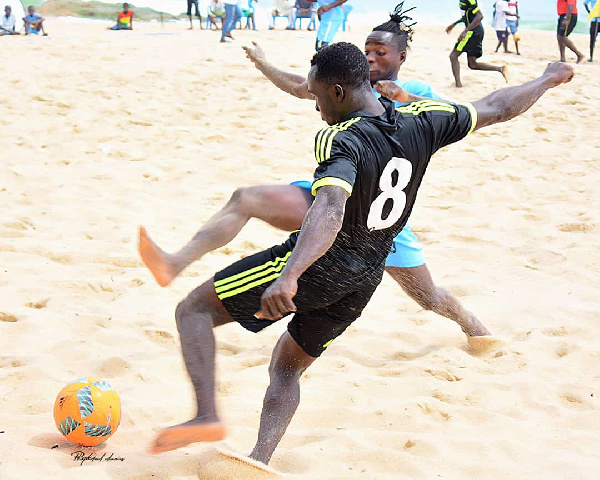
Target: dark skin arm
291 83
567 19
452 25
319 230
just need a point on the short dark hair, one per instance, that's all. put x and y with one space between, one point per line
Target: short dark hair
398 25
343 64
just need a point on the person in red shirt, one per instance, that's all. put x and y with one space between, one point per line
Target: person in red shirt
125 19
567 19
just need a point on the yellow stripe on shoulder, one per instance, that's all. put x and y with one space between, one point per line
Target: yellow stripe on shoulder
325 138
474 116
417 108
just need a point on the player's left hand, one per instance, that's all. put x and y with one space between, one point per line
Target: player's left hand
389 89
323 9
277 301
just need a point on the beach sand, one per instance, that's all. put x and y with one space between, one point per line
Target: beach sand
105 131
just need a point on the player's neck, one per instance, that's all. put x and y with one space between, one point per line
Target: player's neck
364 101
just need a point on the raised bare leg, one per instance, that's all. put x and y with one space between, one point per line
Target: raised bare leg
282 206
288 362
419 286
196 317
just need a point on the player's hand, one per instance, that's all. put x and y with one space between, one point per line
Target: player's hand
462 36
564 23
449 28
389 89
559 73
323 9
255 53
277 301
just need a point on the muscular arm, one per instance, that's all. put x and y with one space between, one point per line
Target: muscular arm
503 105
476 21
319 230
291 83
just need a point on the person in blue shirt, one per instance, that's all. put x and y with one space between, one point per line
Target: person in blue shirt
284 206
34 22
331 17
594 27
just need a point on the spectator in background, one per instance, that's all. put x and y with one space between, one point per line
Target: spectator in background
331 16
33 22
567 19
233 14
281 8
304 9
249 14
124 19
499 24
512 22
7 26
217 11
190 4
594 27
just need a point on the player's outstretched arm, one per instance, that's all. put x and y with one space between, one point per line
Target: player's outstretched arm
503 105
319 230
288 82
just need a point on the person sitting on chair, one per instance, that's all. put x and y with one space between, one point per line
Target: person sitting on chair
281 8
304 9
124 19
249 15
217 11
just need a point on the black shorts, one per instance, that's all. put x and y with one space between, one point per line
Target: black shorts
472 45
565 32
189 10
326 304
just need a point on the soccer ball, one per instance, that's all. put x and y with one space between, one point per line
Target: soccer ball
87 411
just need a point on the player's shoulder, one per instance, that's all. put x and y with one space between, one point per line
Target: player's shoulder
415 109
341 136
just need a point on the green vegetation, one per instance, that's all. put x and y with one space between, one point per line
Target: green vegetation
99 10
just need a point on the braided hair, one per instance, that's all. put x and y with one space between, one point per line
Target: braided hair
400 25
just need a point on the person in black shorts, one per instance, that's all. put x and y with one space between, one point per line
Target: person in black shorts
567 19
470 42
371 161
194 3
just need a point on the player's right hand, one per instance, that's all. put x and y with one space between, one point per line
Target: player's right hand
449 28
559 73
389 89
255 54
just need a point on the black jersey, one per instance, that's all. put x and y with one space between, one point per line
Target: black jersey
380 161
470 8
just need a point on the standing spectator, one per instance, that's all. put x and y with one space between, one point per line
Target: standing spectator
304 9
512 22
33 22
567 19
233 14
594 27
281 8
331 16
124 19
190 4
499 24
7 27
470 41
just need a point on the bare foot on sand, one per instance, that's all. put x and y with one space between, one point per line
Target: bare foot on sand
580 59
504 72
157 261
483 345
190 432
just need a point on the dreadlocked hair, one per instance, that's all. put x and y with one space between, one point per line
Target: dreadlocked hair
400 25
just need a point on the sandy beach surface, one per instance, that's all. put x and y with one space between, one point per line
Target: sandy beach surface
104 131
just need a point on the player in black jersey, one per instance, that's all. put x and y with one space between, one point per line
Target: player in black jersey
372 160
470 41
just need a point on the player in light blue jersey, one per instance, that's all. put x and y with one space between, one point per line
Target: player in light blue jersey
331 18
284 206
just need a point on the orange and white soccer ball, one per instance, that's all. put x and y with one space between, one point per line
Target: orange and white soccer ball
87 411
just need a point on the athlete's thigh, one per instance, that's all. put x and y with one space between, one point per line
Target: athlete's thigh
415 281
283 206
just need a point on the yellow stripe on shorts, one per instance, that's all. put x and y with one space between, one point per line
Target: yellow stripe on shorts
461 45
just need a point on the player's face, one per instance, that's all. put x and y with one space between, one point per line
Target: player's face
383 56
328 98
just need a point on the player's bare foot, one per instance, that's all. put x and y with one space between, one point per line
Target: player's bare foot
484 345
179 436
157 261
475 328
504 72
580 58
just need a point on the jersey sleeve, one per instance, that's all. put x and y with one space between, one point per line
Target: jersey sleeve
336 153
442 123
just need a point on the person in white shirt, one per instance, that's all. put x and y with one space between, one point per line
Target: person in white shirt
499 24
7 26
281 8
512 22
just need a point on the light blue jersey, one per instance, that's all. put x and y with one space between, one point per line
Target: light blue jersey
331 22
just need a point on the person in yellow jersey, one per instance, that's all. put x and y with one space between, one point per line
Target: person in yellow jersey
593 8
470 42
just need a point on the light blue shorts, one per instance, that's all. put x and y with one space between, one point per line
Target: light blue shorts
512 26
406 252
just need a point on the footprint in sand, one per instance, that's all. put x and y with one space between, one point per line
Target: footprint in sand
8 317
225 465
38 305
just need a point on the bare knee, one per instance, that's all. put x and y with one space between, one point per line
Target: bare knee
472 63
187 312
